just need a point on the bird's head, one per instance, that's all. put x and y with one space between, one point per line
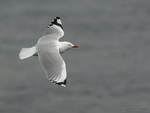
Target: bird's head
65 46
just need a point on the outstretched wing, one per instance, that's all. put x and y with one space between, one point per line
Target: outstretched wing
54 66
54 30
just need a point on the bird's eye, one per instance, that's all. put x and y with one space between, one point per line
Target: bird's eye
69 45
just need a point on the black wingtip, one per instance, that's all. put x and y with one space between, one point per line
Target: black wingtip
55 22
57 17
62 83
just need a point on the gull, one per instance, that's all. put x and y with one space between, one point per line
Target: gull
48 50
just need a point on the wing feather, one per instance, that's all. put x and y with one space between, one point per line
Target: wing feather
48 53
54 66
55 29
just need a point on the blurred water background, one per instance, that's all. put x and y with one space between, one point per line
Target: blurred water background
108 73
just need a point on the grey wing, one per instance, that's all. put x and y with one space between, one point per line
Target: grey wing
54 66
54 29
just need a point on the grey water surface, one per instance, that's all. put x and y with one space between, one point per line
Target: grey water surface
108 73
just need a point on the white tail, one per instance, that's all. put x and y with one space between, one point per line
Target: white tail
27 52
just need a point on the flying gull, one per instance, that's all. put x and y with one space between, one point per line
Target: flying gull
48 50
